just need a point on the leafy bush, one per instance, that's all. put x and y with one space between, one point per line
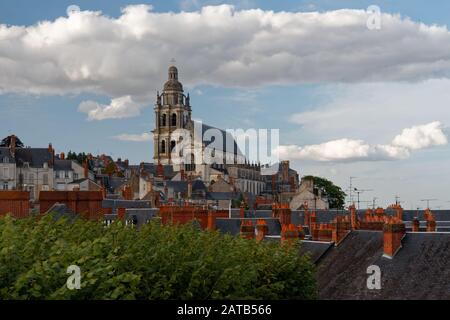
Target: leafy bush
155 262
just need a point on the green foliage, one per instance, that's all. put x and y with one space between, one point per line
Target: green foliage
155 262
78 157
110 169
336 196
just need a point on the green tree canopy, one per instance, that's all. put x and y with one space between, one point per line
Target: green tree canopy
336 196
78 157
155 262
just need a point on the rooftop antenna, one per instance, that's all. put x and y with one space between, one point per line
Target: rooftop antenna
373 202
350 189
428 202
359 191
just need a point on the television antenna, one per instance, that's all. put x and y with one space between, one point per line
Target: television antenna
428 202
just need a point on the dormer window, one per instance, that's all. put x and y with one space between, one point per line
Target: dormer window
45 165
5 160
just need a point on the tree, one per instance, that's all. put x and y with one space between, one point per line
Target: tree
336 196
156 262
80 157
6 142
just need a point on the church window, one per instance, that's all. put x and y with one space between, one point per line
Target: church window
163 146
164 120
174 120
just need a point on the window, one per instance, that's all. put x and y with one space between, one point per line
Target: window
172 145
174 120
45 178
75 176
163 146
164 120
5 186
5 160
67 174
6 173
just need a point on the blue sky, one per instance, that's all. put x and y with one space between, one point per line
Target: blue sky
309 112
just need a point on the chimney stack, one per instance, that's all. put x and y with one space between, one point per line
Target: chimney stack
416 225
261 230
393 233
431 222
242 210
289 234
12 145
62 156
52 151
86 169
354 217
247 230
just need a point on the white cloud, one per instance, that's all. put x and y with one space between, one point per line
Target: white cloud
128 55
144 137
123 107
420 137
348 150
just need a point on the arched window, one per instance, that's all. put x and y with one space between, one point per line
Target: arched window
163 146
172 145
174 120
164 120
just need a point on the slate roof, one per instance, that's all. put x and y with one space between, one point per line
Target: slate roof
36 157
222 195
4 153
233 226
63 165
152 168
315 249
420 269
226 138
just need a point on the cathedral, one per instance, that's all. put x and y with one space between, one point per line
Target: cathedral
173 119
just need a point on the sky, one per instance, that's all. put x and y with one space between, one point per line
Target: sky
353 94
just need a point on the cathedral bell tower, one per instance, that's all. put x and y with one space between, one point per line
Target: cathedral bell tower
172 112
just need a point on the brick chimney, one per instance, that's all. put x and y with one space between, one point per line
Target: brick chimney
86 169
242 210
416 225
62 156
261 230
12 145
211 221
340 228
393 233
282 212
52 151
354 217
247 230
289 233
431 221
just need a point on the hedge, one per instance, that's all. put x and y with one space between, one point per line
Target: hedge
154 262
